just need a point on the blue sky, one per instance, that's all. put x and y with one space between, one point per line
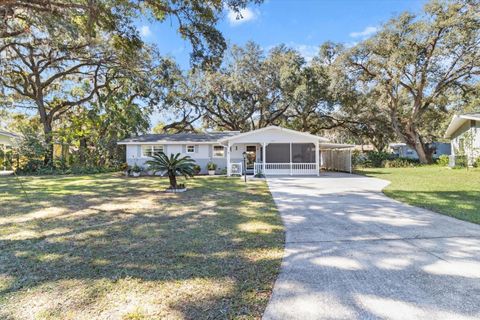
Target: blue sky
302 24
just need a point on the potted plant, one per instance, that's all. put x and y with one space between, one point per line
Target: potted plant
136 170
174 166
211 167
197 169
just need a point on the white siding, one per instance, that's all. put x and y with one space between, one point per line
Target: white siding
461 133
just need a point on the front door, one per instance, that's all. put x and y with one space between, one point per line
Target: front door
251 156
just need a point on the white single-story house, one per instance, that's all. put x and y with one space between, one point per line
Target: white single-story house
464 132
271 150
405 151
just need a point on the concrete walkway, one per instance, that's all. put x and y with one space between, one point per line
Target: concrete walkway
353 253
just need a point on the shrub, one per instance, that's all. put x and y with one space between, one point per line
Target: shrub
358 158
461 162
211 166
443 160
136 168
375 159
223 171
197 169
476 163
259 175
400 163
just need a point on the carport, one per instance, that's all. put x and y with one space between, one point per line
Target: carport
336 157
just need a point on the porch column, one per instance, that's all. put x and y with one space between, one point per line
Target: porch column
317 155
228 160
291 166
264 156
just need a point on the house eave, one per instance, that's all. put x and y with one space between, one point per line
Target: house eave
165 142
457 122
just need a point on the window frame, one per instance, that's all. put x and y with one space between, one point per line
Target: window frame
189 145
152 148
217 156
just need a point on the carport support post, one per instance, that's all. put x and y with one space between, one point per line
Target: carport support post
264 154
228 160
291 166
317 154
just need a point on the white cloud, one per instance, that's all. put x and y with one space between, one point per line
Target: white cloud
145 31
368 31
244 15
307 51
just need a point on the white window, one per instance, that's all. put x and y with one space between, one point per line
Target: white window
190 149
150 150
218 151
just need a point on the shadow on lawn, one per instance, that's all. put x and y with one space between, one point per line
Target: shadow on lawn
193 235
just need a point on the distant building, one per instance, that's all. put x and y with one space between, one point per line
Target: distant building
404 151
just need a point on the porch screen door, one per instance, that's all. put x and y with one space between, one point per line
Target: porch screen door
251 156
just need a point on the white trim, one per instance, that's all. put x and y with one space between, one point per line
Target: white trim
304 134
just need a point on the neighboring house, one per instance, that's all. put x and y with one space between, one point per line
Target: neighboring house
271 150
7 141
464 132
404 151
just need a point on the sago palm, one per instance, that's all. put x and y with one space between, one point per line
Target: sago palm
173 165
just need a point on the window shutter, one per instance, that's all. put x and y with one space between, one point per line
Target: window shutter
184 148
196 148
139 151
210 151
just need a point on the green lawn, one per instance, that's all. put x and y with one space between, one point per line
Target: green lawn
109 247
453 192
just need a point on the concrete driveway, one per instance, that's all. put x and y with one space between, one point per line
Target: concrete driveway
353 253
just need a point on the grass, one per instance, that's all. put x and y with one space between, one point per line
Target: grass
108 247
453 192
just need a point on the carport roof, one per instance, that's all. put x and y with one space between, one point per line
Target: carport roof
329 145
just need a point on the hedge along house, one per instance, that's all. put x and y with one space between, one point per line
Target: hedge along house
271 150
464 132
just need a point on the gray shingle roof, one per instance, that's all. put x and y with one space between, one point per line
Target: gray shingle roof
179 137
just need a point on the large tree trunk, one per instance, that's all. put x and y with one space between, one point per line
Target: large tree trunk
83 150
47 131
424 153
46 121
409 134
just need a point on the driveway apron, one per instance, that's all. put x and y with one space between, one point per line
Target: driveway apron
353 253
